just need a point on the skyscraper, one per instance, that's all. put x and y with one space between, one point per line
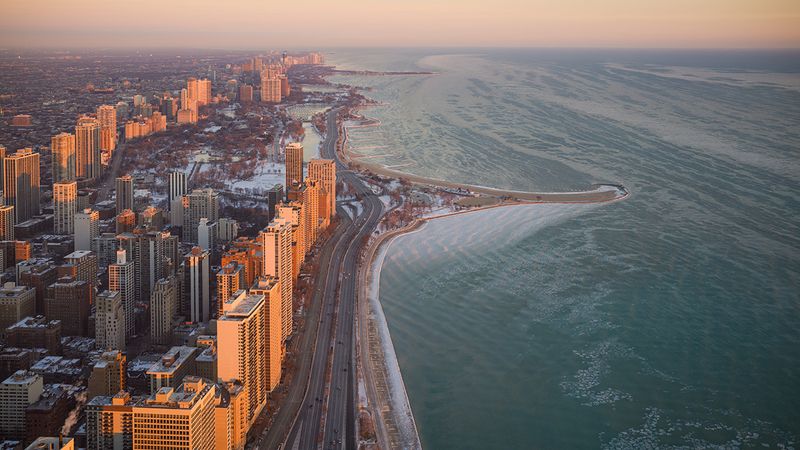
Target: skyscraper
65 206
270 288
124 185
108 374
203 91
121 279
324 170
201 203
311 196
109 321
148 252
7 223
163 307
230 279
16 393
21 183
241 331
294 165
277 251
177 189
270 89
107 116
87 227
62 147
87 148
196 287
68 300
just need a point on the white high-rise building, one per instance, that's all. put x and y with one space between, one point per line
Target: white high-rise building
177 189
87 227
121 279
163 307
207 231
65 205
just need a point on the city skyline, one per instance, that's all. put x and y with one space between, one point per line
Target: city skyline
414 23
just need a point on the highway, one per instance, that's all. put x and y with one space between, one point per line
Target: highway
326 414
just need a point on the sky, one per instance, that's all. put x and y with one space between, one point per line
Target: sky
251 24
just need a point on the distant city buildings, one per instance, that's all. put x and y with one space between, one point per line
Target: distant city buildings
65 206
21 184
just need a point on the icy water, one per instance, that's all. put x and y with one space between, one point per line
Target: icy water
668 320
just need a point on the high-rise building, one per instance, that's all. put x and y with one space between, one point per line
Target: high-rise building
311 196
207 232
16 393
230 279
201 203
109 321
228 229
295 214
177 189
87 227
286 89
121 279
21 183
68 300
230 416
163 307
87 148
124 185
241 332
16 303
107 116
109 422
196 288
203 91
324 170
277 250
81 265
108 374
179 418
148 252
294 165
7 223
125 221
35 332
62 147
270 89
270 288
245 93
37 274
65 206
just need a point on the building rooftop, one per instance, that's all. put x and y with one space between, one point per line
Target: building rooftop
183 397
240 305
78 254
11 290
21 377
38 322
57 364
174 358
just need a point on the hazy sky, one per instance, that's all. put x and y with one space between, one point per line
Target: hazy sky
330 23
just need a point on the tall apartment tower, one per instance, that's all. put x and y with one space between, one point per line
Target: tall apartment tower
201 203
21 183
241 331
230 279
68 300
179 418
124 185
17 392
311 197
16 303
277 250
294 165
270 288
270 87
87 148
324 170
177 189
196 287
107 116
148 252
7 223
109 421
62 147
163 307
65 206
87 227
121 279
203 92
109 321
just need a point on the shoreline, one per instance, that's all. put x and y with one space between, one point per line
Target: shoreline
385 398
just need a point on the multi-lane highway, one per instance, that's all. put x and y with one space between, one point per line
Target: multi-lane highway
326 414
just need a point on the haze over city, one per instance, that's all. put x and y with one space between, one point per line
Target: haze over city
406 23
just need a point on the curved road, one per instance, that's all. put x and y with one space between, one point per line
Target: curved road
326 414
